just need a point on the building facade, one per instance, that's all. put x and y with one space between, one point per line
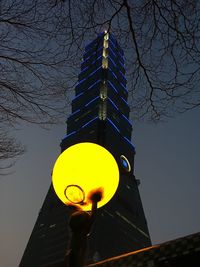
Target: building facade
100 114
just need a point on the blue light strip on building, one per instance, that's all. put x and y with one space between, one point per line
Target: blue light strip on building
120 112
117 69
95 52
80 82
113 74
77 96
110 50
94 71
112 37
91 101
93 62
84 69
115 43
117 79
113 87
75 112
91 86
118 52
68 135
122 56
129 142
122 74
124 87
117 92
122 64
112 61
113 124
110 40
124 101
126 119
113 103
89 122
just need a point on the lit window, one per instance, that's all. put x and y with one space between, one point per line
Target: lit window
105 53
105 43
106 36
103 110
105 63
103 91
52 225
103 102
103 96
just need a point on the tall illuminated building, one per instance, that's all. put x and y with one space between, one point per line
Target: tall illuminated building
100 114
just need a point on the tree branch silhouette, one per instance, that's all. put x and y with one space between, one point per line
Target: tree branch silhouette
42 42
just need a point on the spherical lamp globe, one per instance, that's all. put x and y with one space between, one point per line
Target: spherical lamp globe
83 169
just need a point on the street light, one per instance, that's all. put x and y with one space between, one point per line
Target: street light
83 169
84 174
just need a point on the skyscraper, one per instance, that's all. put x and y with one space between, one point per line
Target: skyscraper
100 114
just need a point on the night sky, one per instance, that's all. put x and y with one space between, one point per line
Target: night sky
167 163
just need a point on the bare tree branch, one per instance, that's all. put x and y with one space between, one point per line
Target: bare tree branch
42 42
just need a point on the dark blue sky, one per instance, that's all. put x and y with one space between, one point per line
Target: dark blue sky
167 162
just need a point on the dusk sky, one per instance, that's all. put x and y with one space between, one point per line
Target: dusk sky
167 163
167 160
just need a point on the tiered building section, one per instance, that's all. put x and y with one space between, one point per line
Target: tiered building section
100 114
101 95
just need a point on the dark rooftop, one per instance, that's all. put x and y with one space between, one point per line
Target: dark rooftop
181 252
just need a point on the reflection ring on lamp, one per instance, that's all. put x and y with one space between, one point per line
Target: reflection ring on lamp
74 194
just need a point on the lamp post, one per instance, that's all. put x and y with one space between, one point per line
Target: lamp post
84 175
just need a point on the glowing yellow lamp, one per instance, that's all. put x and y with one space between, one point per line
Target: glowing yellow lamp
83 169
